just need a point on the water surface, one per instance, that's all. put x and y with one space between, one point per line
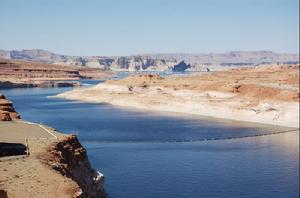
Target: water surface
148 154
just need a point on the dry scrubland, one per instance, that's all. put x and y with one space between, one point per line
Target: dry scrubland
265 94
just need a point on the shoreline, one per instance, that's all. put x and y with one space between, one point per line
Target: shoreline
243 116
38 84
226 117
267 94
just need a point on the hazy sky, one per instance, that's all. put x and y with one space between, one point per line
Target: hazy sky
123 27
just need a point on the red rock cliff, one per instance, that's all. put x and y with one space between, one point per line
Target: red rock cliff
70 159
7 111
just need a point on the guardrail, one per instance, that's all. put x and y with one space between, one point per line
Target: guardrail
41 126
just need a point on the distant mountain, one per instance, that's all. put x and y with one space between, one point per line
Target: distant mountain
159 62
32 55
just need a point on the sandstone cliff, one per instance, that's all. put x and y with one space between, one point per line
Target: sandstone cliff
36 74
7 111
69 158
43 71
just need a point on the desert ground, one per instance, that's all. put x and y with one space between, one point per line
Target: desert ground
265 94
28 176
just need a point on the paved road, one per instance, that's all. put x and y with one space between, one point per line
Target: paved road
18 131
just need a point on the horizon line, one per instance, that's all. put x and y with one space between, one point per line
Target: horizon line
156 53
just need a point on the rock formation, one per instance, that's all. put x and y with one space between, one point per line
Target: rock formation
160 62
3 194
39 70
180 67
69 158
32 74
7 111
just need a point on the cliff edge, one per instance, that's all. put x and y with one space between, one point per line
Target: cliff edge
69 158
52 164
7 111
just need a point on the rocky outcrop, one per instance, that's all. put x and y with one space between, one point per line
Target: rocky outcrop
20 74
7 111
69 158
141 63
42 84
161 62
3 194
180 67
30 70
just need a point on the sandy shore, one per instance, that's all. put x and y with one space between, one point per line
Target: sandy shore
268 94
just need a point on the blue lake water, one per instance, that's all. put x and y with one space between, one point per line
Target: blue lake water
164 155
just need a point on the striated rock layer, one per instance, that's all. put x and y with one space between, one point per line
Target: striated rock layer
23 74
7 111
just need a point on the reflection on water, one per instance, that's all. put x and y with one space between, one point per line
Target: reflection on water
144 154
288 142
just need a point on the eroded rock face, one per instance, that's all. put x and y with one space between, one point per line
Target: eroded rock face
20 74
70 159
3 194
180 67
140 63
160 62
7 111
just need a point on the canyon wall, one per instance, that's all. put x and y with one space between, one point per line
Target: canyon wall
23 74
159 62
39 70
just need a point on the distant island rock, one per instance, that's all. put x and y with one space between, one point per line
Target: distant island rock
180 67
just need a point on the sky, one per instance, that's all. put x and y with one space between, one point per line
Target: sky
126 27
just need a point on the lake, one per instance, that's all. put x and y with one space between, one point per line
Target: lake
166 155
